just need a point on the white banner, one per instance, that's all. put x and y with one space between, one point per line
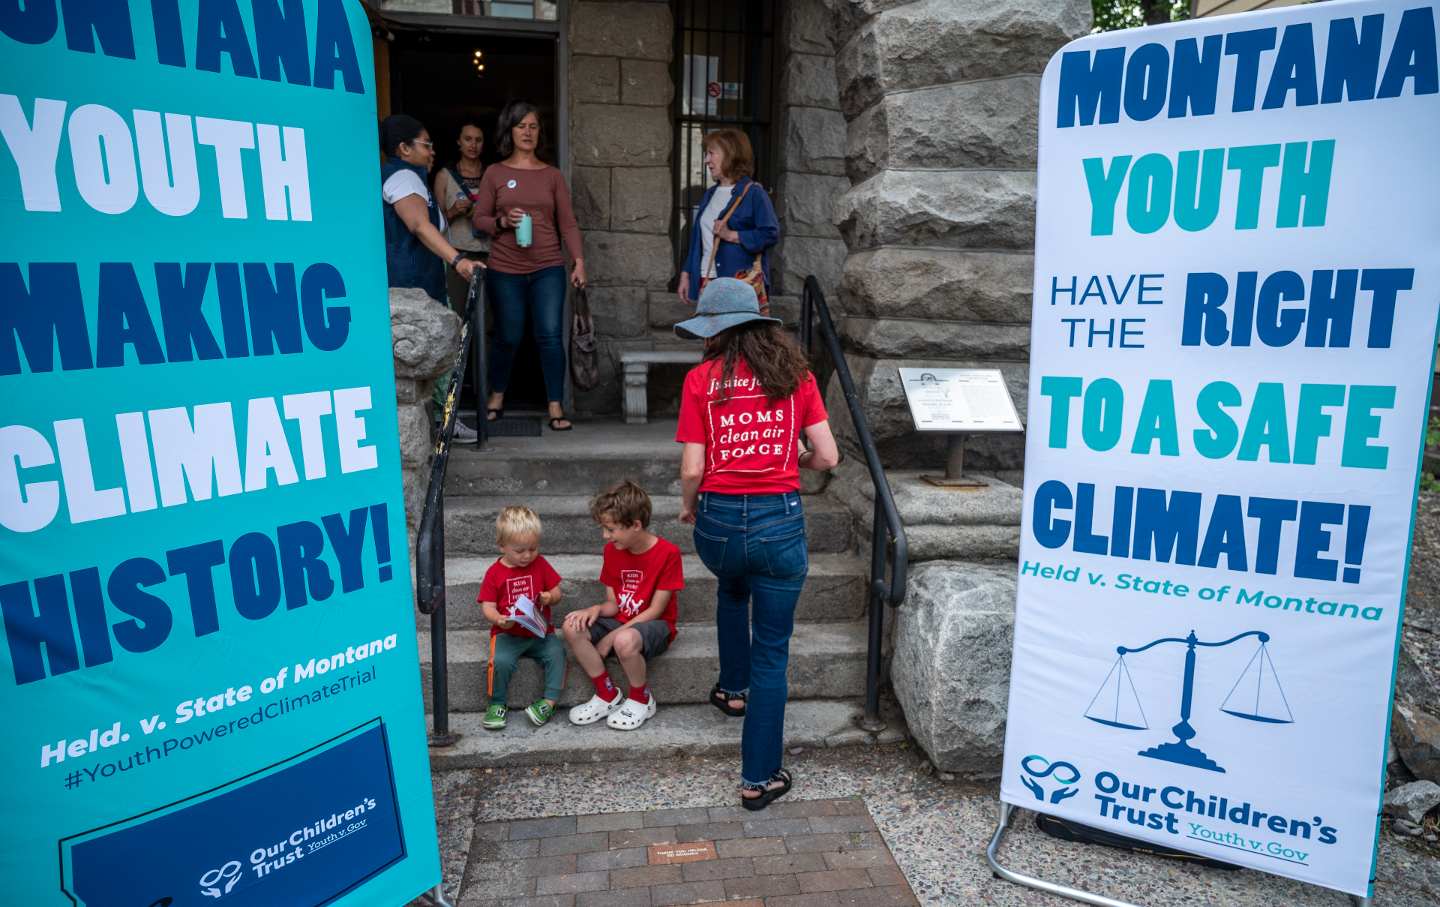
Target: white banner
1236 287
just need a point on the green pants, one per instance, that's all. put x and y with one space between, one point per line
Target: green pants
507 650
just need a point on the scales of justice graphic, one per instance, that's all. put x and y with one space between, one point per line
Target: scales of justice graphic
1255 696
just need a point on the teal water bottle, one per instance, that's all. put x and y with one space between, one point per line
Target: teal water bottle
524 231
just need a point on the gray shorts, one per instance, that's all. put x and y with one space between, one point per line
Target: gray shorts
654 634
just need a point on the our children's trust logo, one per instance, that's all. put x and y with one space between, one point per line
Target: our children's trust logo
1038 768
211 881
630 603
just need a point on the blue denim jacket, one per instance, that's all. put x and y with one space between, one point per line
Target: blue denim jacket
407 260
757 225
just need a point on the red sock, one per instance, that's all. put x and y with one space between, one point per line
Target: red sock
640 694
605 687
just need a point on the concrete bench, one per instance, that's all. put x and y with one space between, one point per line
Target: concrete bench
637 377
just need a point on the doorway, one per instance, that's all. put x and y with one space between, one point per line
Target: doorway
447 76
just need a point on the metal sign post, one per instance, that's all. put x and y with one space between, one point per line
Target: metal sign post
956 402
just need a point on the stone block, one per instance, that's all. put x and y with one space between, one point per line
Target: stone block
801 256
627 259
990 124
643 31
937 284
848 16
1412 801
594 80
414 484
416 445
981 209
590 196
407 390
814 140
807 203
901 337
424 334
620 311
940 524
667 310
640 199
1415 719
937 42
646 83
808 80
619 135
951 664
808 27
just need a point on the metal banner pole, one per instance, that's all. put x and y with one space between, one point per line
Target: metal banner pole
1018 878
1065 891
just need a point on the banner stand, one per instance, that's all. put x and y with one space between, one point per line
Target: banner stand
436 897
1065 891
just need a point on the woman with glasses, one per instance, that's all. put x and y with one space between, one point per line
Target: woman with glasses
416 249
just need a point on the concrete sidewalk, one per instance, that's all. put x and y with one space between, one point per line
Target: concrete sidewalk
937 831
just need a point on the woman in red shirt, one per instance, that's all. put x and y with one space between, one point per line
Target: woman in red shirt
743 412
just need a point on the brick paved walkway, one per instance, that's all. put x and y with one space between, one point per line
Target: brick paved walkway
793 854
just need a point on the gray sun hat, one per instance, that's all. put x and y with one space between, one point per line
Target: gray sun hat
724 303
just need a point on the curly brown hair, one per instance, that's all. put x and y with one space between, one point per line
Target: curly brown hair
625 503
775 359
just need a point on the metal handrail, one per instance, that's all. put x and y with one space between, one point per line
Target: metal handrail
430 538
891 546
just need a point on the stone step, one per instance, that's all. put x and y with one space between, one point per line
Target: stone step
596 454
834 590
827 661
676 730
569 529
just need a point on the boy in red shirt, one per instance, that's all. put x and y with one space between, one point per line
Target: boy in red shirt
643 576
520 572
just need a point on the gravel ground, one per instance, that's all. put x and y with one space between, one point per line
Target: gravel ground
1422 601
937 830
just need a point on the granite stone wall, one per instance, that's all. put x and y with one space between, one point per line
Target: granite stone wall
811 139
620 137
425 336
940 99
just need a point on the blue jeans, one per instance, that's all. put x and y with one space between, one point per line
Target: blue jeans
541 294
755 545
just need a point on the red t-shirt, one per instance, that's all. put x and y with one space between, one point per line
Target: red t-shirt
504 585
751 442
635 578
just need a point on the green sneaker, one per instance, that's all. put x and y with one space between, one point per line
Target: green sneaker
495 717
539 712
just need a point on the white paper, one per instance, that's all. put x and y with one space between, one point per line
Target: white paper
523 612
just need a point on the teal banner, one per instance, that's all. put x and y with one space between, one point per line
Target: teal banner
209 674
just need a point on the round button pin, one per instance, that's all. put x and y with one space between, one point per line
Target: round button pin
510 185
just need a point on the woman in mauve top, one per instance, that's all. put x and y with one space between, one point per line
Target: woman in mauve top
743 412
529 279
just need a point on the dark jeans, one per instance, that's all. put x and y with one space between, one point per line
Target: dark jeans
541 294
506 650
755 545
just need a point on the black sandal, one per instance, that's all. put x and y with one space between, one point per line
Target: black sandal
554 427
721 700
768 794
494 415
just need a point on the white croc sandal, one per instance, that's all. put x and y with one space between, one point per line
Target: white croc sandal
597 708
631 714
